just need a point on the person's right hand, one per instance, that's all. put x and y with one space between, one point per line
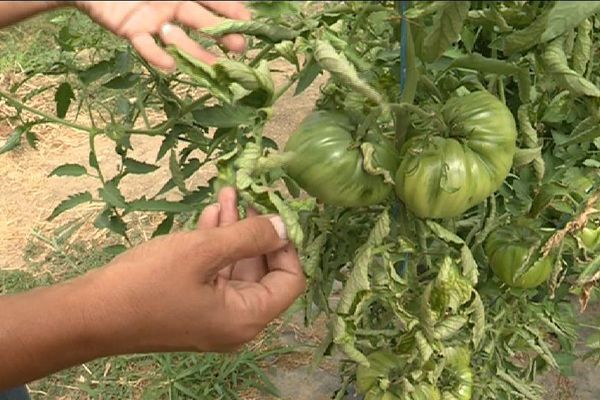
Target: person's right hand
139 21
212 289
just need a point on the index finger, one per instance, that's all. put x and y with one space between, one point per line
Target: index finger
283 283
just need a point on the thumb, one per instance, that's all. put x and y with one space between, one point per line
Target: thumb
251 237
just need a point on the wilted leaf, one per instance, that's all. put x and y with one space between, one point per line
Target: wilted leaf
566 15
555 61
267 32
447 26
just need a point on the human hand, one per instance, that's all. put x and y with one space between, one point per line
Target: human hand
138 21
212 289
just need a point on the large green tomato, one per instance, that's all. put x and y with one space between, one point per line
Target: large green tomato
324 165
510 247
441 177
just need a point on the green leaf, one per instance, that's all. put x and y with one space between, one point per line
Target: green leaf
176 172
188 170
449 327
526 156
545 195
112 196
137 167
95 72
447 25
267 32
342 70
358 280
69 170
582 48
14 140
71 202
443 233
525 38
165 226
123 82
275 9
290 219
32 139
225 116
477 311
168 143
64 95
107 219
555 61
114 249
308 74
311 257
469 265
159 205
203 74
566 15
485 65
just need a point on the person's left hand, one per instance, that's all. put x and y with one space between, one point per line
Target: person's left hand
138 21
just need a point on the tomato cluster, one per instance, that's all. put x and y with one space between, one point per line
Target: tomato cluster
435 176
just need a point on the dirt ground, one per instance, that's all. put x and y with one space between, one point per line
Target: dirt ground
28 197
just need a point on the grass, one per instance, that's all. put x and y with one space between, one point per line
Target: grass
52 259
36 44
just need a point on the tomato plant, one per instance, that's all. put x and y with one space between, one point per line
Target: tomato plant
441 128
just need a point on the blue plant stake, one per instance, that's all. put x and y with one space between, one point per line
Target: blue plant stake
403 56
403 45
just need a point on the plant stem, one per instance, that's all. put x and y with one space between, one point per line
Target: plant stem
50 118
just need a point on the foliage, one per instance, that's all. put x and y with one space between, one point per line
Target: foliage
417 288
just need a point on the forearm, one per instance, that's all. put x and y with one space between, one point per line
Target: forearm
12 12
49 329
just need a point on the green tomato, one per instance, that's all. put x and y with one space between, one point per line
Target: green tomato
441 177
511 246
590 238
322 162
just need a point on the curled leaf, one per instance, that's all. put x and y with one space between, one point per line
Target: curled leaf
555 60
582 48
369 165
290 219
447 27
266 32
341 69
530 139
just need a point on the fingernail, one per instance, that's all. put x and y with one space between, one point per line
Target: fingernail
166 28
279 226
216 206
